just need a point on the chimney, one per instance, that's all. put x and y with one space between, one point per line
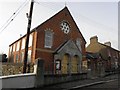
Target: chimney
108 43
94 39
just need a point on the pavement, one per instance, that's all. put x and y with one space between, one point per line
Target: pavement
80 83
109 85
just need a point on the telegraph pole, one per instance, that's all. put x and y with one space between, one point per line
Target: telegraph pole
27 36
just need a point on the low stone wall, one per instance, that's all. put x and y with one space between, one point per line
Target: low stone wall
14 68
43 79
54 79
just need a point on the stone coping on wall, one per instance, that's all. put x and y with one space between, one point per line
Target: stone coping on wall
59 75
17 75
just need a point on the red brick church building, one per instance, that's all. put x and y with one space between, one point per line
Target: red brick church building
58 41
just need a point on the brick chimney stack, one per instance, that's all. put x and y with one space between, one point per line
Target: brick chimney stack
108 43
94 39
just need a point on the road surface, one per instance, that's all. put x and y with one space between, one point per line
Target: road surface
108 85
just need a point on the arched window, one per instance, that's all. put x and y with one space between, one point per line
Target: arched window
64 64
74 64
48 39
78 43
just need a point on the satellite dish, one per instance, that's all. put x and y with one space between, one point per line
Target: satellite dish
20 35
27 15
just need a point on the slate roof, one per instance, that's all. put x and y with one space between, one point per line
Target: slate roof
35 29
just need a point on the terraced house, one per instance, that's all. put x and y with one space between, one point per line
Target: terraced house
58 41
109 56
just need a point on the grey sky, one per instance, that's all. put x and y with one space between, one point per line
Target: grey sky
93 18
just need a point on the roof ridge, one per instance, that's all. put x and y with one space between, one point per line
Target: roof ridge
32 30
108 46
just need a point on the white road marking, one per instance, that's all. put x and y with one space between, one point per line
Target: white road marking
99 82
111 80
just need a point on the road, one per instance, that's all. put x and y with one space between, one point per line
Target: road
108 82
108 85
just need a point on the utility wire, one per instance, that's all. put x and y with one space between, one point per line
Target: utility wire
13 16
6 22
6 26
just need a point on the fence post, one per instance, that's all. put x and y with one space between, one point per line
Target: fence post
39 79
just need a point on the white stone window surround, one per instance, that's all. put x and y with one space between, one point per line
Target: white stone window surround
65 26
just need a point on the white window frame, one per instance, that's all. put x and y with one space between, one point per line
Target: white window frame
22 56
11 47
30 40
17 57
18 46
29 56
14 47
48 39
23 43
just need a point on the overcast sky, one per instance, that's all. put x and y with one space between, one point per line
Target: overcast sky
93 18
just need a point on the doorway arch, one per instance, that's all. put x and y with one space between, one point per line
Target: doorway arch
64 64
74 64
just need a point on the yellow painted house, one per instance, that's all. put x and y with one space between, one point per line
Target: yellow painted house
109 54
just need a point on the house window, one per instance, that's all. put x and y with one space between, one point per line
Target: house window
29 56
14 47
78 43
48 39
11 53
30 40
22 57
18 46
16 57
10 50
23 43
